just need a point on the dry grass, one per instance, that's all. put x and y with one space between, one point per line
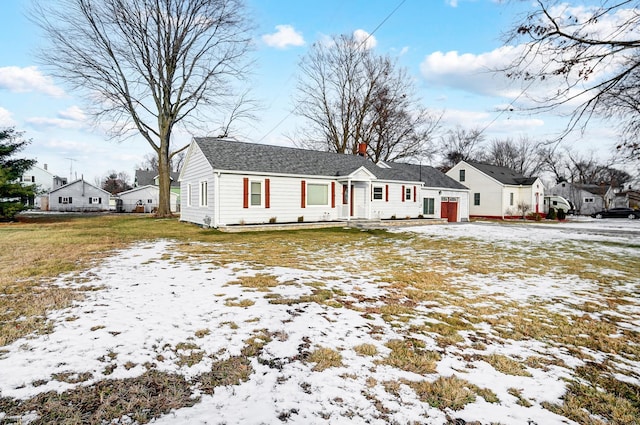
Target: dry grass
423 279
410 355
260 282
445 392
142 399
506 365
324 358
366 349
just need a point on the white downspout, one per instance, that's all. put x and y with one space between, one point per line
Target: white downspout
348 199
370 201
216 199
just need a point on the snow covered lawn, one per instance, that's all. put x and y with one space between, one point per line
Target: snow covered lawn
466 323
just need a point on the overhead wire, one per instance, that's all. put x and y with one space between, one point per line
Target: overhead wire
389 15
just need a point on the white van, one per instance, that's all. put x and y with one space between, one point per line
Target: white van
559 203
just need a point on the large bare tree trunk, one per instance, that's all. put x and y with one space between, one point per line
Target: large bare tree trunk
148 65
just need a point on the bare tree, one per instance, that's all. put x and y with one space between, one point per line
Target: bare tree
460 144
115 182
591 56
398 128
522 156
147 65
348 96
553 162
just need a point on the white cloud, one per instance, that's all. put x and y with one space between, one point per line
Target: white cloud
73 113
285 36
6 118
29 79
452 3
70 118
470 72
364 38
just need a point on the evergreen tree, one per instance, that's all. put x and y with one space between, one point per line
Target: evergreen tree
13 195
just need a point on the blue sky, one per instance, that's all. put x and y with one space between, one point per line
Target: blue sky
447 46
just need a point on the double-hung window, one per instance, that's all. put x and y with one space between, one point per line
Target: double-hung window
204 198
256 193
476 199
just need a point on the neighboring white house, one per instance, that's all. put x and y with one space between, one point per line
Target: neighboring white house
225 182
44 181
79 196
495 192
144 199
586 198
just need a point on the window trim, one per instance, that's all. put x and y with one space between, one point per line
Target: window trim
377 196
203 193
308 190
476 199
260 193
463 175
430 204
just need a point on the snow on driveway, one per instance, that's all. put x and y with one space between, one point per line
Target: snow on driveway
151 300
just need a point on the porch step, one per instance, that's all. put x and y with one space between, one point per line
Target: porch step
383 224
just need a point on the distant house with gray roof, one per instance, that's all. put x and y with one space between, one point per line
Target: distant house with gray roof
495 191
225 182
151 177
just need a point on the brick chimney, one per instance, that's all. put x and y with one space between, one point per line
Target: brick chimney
362 150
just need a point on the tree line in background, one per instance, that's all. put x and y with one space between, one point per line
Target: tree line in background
149 66
528 157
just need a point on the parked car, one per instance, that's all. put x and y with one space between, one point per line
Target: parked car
617 213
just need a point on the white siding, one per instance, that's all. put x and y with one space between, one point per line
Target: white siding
439 194
143 195
81 194
195 170
285 201
395 207
492 201
494 196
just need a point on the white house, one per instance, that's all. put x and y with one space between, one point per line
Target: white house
145 199
586 198
225 182
78 196
495 192
44 181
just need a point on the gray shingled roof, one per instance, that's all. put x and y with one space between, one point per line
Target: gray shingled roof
503 174
147 177
231 155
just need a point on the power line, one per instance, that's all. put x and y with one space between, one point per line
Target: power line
389 15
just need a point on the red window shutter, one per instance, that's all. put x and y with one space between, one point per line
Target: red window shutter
403 193
333 194
267 193
245 192
303 194
415 194
386 193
